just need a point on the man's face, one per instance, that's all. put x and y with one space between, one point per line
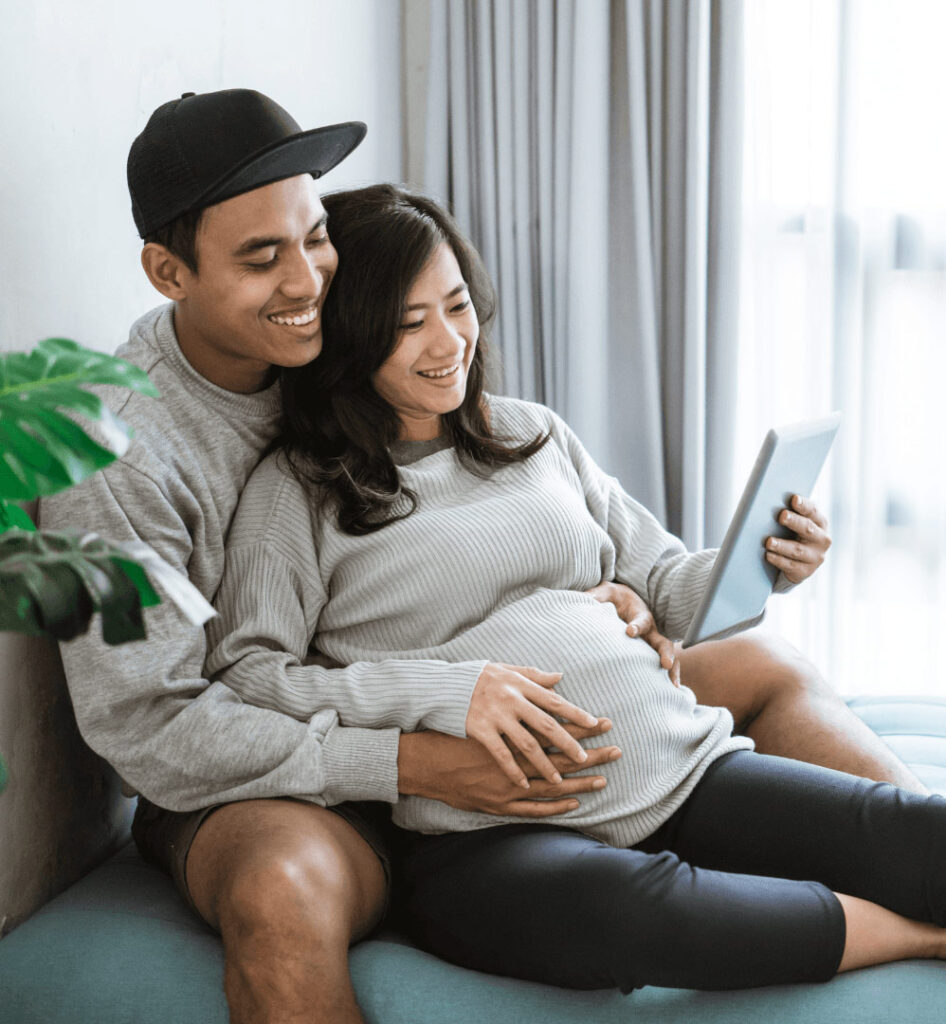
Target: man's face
264 265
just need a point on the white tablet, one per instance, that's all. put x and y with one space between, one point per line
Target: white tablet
789 463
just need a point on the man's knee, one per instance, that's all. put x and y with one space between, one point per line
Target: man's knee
295 869
748 673
289 892
786 672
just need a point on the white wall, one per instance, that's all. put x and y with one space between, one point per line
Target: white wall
78 81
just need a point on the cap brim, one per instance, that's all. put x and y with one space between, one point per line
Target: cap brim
313 152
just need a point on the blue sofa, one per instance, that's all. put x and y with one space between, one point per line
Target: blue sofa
119 947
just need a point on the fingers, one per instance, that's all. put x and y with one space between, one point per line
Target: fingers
603 592
641 625
549 799
640 622
630 606
517 704
542 790
539 808
566 765
548 729
807 508
674 671
503 756
664 647
787 567
596 756
532 751
557 705
794 571
798 559
536 675
808 532
806 522
581 732
794 551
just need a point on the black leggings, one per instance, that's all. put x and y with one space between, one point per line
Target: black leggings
734 891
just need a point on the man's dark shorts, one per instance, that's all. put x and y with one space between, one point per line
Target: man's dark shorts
164 837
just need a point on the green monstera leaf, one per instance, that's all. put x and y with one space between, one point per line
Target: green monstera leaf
12 516
53 582
42 450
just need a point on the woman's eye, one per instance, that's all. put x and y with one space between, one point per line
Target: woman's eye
412 326
262 266
461 306
317 240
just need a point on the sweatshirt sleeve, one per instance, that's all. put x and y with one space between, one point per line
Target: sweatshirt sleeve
259 648
269 603
647 558
147 708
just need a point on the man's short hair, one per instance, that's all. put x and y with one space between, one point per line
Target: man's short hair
180 237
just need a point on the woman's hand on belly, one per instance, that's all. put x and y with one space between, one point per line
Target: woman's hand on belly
518 703
633 611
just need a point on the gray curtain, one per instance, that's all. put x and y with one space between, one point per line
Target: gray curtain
592 150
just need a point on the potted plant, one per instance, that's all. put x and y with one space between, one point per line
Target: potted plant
53 582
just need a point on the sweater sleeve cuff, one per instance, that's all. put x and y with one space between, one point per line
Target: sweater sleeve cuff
360 764
783 584
453 703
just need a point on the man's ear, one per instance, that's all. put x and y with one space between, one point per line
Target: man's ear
167 272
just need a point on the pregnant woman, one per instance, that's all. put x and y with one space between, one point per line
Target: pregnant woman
437 542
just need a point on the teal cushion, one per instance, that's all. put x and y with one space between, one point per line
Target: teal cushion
120 947
915 727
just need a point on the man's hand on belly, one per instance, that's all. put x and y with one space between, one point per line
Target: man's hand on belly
633 610
463 774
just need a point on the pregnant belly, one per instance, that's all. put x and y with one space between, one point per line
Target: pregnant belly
666 738
557 631
604 671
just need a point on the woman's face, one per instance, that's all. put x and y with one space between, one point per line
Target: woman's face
425 375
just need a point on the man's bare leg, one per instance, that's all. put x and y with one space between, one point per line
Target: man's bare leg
779 699
290 886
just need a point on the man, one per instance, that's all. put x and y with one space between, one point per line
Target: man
250 810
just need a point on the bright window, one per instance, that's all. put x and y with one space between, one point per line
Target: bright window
844 306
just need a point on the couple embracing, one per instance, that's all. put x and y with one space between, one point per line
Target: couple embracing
432 600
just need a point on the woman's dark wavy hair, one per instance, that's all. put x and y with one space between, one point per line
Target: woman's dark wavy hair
336 429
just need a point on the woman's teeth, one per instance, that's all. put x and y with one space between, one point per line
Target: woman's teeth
436 374
299 320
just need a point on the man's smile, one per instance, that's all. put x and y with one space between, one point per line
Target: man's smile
300 319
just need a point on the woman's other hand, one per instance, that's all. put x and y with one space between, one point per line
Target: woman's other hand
633 610
798 559
509 701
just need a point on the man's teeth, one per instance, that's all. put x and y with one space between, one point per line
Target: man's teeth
438 373
298 320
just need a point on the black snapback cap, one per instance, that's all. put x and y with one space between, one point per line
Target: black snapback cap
207 147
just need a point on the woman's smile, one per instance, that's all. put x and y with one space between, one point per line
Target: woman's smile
439 375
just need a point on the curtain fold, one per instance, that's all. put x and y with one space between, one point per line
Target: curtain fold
591 149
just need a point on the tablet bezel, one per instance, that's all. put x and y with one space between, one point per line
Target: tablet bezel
789 462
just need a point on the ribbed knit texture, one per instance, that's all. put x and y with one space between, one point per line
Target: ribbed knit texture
146 707
487 569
